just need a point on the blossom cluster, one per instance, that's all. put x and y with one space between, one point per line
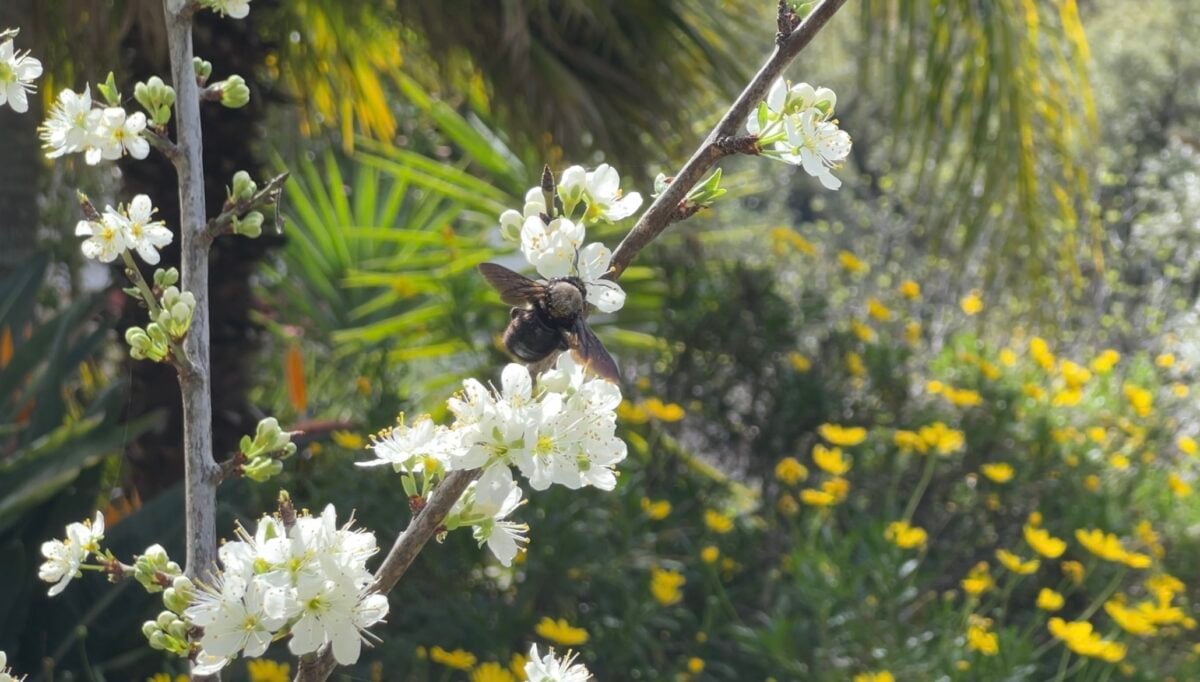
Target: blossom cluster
6 674
553 240
131 227
65 558
562 432
77 124
795 124
17 72
310 580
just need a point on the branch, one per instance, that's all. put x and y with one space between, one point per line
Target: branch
164 145
720 142
267 196
404 551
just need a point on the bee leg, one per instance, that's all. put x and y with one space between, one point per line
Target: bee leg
512 314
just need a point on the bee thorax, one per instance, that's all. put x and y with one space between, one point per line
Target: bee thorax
564 300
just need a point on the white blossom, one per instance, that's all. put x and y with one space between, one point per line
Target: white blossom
118 133
604 197
234 617
512 220
142 233
594 262
485 505
71 124
406 447
65 557
236 9
17 73
549 668
797 127
105 237
6 673
551 249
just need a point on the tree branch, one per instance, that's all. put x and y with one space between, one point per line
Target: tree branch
666 208
267 196
404 551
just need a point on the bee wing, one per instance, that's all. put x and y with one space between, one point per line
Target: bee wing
591 353
514 289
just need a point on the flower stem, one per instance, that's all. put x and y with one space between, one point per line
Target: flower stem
926 477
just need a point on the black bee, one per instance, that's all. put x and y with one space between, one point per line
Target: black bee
548 317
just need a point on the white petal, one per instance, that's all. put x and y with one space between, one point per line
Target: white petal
608 297
775 97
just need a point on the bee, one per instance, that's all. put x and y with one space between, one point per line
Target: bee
548 316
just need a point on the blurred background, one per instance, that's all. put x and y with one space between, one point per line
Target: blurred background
1023 196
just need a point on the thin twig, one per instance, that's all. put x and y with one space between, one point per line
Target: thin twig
665 208
404 551
164 145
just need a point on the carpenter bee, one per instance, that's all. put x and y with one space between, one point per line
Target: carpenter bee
548 317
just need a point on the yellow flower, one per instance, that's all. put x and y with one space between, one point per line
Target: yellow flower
560 632
905 536
492 672
972 303
1164 587
978 580
817 498
830 459
845 436
783 237
1049 600
266 670
862 332
668 412
457 659
910 290
838 487
1091 482
1108 547
1140 399
1016 564
166 677
1040 351
910 441
1119 462
695 665
1178 485
881 676
657 510
962 397
1079 637
632 414
666 586
1180 390
980 639
1188 445
517 665
1035 518
852 264
787 505
1034 391
1165 360
710 554
348 440
1001 472
1074 375
912 332
877 310
1008 357
790 471
717 522
1044 543
855 366
942 438
1131 620
799 362
1106 361
1073 570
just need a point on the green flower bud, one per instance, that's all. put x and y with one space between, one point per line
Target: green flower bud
249 226
262 468
158 640
108 89
176 314
203 70
178 630
244 186
164 620
235 94
165 278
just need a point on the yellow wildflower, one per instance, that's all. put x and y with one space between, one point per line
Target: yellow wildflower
972 303
845 436
962 397
1140 399
1049 600
855 366
266 670
838 487
1016 564
830 459
1108 547
1073 570
881 676
710 554
910 441
910 290
1008 357
632 414
457 659
1074 375
783 237
1091 482
912 332
517 665
877 310
787 505
1119 462
1106 361
1080 638
1034 391
657 510
1035 518
717 522
1165 360
851 263
560 632
1001 472
905 536
1180 390
663 412
1040 351
1044 543
492 672
1178 485
1188 445
1131 620
978 580
790 471
862 332
980 639
666 586
799 362
942 438
817 498
348 440
695 665
1164 587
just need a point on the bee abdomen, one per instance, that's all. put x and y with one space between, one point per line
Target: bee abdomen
529 338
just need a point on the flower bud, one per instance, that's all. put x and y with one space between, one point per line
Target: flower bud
165 278
510 225
164 620
178 630
149 628
158 640
244 186
249 225
235 94
571 188
262 468
203 70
